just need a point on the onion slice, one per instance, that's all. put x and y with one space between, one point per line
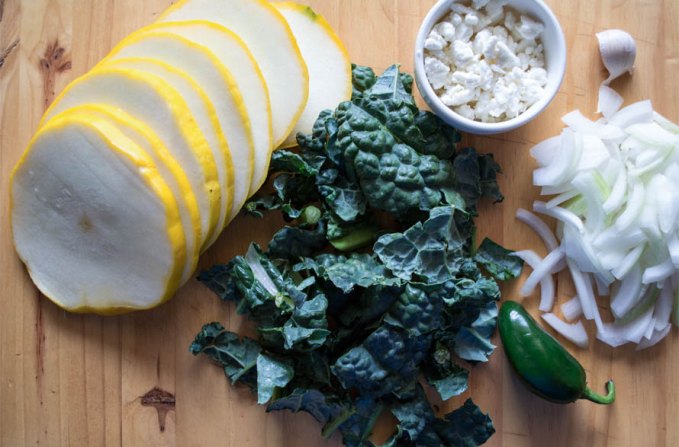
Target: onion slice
574 333
571 309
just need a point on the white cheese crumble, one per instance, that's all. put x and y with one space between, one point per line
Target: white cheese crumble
484 62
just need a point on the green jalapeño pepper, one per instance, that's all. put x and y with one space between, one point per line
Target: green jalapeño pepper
542 362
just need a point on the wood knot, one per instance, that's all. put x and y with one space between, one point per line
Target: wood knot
162 401
54 61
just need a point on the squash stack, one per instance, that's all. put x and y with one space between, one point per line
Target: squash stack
139 164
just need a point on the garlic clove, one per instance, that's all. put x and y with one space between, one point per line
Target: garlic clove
618 51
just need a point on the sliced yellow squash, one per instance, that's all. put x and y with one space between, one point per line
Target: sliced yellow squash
268 36
171 172
236 57
198 62
327 60
94 222
206 118
155 102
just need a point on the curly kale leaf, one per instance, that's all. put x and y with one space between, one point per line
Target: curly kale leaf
473 343
271 374
362 79
386 361
305 330
419 427
429 252
414 312
476 177
296 242
237 356
220 280
498 261
361 270
441 371
309 400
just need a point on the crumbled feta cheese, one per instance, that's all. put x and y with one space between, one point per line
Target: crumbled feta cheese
437 72
529 28
465 111
457 95
462 52
446 30
484 62
435 42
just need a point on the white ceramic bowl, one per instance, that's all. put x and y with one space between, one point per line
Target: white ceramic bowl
554 45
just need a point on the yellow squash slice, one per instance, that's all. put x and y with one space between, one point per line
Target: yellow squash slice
206 118
199 63
155 102
94 222
327 60
167 166
236 57
268 36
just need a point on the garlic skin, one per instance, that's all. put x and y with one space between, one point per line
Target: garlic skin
618 50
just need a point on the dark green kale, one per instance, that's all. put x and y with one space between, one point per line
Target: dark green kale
498 261
376 281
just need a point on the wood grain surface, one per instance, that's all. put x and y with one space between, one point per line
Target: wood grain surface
83 380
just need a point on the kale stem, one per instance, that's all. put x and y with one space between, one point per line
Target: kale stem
598 398
333 425
357 239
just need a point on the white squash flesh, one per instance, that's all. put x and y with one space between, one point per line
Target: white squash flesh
95 224
327 61
268 36
204 68
236 57
206 118
168 168
161 107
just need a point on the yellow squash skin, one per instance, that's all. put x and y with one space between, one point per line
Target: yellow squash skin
120 144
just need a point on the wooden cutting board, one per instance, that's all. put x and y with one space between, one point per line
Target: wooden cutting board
83 380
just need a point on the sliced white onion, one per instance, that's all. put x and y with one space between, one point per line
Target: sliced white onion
617 196
616 335
545 151
663 307
540 272
665 123
529 257
559 213
571 309
580 124
539 226
564 162
638 112
658 272
574 333
583 289
653 135
628 293
673 247
609 101
561 198
655 338
628 262
634 206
